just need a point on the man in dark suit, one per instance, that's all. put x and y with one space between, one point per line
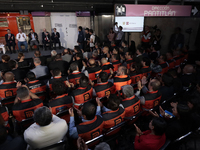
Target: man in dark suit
56 38
46 39
80 39
176 39
10 41
33 39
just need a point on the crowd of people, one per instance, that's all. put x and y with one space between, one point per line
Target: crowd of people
100 86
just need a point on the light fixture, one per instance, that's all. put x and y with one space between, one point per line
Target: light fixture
41 6
52 1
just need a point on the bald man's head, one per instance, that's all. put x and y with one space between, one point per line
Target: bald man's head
154 85
188 69
103 61
122 70
9 76
92 62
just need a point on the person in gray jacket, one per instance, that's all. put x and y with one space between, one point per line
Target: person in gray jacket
39 70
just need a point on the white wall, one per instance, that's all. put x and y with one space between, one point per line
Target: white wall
66 25
39 24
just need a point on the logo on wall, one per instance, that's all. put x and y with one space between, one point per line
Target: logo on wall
120 10
73 25
58 25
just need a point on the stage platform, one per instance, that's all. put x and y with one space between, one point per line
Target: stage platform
30 54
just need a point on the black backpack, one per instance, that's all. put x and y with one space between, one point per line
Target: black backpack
97 39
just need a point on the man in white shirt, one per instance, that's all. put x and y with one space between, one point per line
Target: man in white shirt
21 38
92 39
120 35
47 130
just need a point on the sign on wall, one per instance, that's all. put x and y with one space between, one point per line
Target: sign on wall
152 10
66 25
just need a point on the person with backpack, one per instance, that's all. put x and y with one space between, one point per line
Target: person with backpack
92 39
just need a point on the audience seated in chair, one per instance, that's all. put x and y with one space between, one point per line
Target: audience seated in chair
10 41
8 142
92 123
21 38
34 85
83 93
8 87
39 70
62 101
152 139
19 73
33 39
25 103
4 65
22 63
55 38
48 129
130 102
113 113
46 39
121 78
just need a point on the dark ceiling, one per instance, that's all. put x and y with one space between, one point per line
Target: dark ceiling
99 6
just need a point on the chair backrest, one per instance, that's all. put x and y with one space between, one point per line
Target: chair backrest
24 124
94 141
8 102
113 130
182 137
46 77
165 145
42 95
56 145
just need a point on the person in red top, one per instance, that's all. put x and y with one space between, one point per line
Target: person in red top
8 87
25 103
121 78
146 37
115 62
75 75
152 139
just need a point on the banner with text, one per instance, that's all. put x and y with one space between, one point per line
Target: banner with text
152 10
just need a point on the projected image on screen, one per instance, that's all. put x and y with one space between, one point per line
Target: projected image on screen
130 24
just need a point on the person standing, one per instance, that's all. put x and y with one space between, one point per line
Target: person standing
10 41
111 35
56 38
87 37
176 39
46 39
21 38
33 39
80 39
92 39
119 35
146 37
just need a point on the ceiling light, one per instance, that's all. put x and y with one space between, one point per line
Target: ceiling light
41 6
